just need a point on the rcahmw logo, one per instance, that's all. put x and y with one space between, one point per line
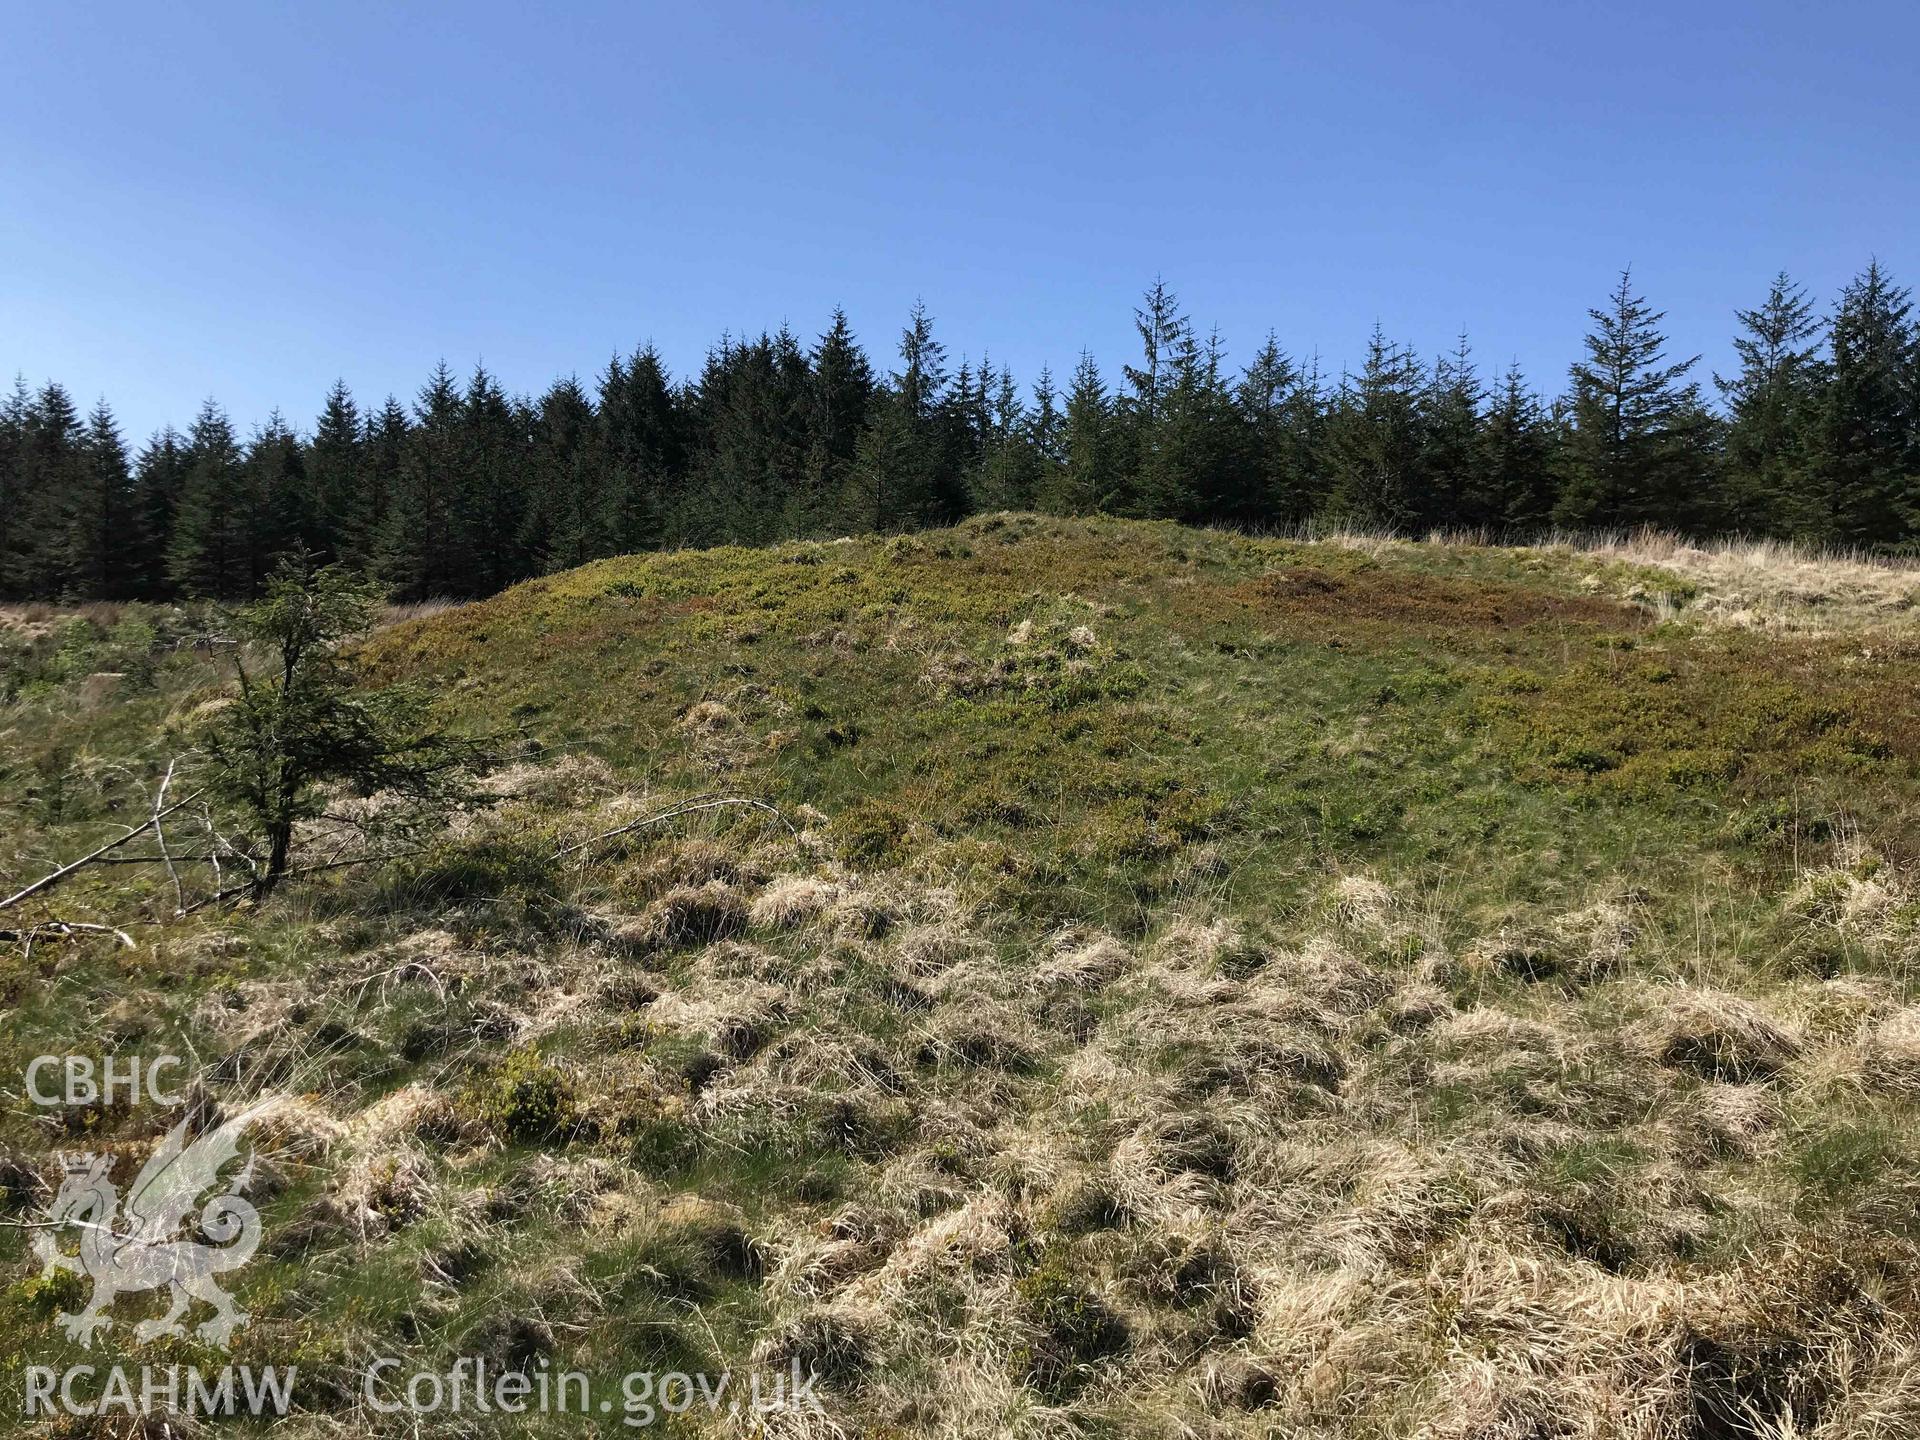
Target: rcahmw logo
113 1390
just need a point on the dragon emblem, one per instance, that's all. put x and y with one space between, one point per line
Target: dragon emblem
144 1249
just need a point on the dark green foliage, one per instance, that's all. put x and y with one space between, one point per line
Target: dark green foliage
475 488
1513 490
427 541
1774 417
307 724
1375 441
1870 448
1087 478
211 549
527 1099
102 533
1639 448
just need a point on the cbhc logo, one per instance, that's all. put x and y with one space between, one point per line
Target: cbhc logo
82 1082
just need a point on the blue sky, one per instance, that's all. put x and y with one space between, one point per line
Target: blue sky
246 200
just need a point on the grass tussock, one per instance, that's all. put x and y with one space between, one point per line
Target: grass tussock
1211 986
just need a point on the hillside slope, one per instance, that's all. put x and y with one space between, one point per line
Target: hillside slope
1193 985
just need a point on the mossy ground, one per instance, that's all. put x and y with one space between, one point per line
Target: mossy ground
1218 984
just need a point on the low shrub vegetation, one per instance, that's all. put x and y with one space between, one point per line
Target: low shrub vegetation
1169 983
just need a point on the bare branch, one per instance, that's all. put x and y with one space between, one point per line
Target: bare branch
686 808
234 892
160 837
47 882
61 929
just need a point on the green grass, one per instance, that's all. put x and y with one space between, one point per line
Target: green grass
683 1135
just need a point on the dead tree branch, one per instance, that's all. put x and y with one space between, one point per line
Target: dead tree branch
160 838
689 807
47 882
61 929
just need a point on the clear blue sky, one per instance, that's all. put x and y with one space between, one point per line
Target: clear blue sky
246 200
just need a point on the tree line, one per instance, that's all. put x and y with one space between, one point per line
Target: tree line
1815 437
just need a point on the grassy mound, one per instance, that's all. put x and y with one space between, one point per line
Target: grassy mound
1209 986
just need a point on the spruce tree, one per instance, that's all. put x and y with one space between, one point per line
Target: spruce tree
1166 336
934 491
274 490
886 485
499 481
1263 395
52 470
13 504
1774 414
1450 460
210 552
427 548
1088 479
901 477
1515 489
384 447
1155 481
159 480
1638 451
334 465
1868 466
567 465
1375 442
644 445
104 525
1200 466
1009 469
841 395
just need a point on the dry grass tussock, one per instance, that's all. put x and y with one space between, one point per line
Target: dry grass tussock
1774 586
1219 1178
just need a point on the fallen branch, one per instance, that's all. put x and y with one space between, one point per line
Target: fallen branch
160 838
234 892
685 808
47 882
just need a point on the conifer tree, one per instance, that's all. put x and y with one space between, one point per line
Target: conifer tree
339 487
934 492
273 487
104 527
13 502
1169 354
1281 409
51 471
1516 489
642 440
841 395
901 477
210 551
886 485
1375 440
499 482
1088 479
383 458
567 463
1199 465
427 543
1638 449
1450 460
1869 463
1009 470
1773 406
1166 336
159 480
